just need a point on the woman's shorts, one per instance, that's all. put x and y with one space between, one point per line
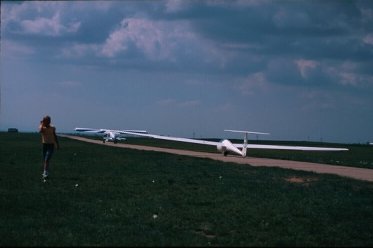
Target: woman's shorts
48 150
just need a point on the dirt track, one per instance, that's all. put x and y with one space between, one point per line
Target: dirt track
352 172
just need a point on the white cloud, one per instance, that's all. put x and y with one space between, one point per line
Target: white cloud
166 102
238 4
69 84
189 104
283 18
225 108
252 83
178 104
305 66
157 40
366 14
368 39
346 74
161 40
175 5
79 50
317 100
15 50
49 26
355 79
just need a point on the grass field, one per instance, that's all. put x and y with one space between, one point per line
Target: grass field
359 155
107 196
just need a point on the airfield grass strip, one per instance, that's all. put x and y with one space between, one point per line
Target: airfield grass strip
106 196
359 155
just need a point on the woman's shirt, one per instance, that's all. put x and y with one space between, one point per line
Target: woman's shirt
47 135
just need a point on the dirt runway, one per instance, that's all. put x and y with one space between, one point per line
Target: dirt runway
344 171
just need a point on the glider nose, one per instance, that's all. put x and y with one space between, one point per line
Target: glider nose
221 148
227 146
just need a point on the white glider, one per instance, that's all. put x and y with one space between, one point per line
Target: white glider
227 147
108 134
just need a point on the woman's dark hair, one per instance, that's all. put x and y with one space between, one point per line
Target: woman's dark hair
47 120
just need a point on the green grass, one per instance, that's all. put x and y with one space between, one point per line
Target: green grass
358 155
107 196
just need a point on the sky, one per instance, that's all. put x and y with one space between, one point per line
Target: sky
300 70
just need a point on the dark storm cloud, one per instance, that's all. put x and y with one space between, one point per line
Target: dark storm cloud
267 61
313 29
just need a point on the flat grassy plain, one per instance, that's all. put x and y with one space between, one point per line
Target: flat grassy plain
357 156
108 196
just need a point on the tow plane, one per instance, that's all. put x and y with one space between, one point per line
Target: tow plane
110 135
227 147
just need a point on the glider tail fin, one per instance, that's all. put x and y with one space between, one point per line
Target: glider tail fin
246 134
244 148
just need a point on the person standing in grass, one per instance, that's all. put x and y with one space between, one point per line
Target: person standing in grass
49 140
